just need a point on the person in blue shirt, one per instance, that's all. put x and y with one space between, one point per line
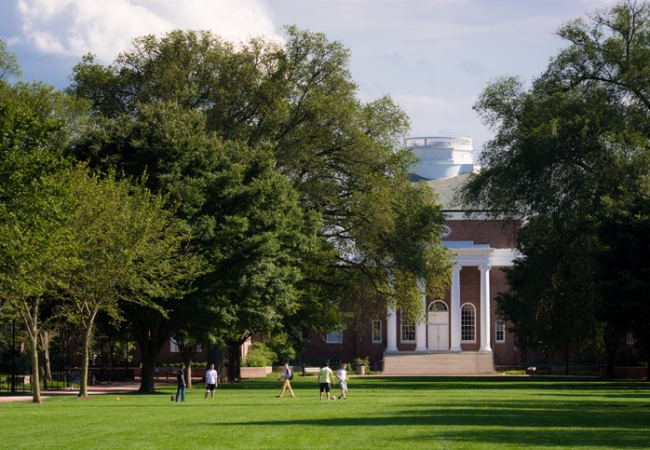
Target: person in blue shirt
288 376
180 376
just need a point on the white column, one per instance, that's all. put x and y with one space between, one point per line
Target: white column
391 332
455 309
421 328
485 308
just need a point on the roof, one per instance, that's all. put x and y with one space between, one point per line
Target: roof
446 188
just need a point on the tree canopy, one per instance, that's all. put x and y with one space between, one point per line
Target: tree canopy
298 193
299 101
577 136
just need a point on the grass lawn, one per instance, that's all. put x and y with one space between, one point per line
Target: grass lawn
411 413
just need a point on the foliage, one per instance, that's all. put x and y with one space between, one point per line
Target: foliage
622 266
341 155
313 361
34 208
282 346
22 362
259 355
9 66
362 362
124 241
245 219
577 136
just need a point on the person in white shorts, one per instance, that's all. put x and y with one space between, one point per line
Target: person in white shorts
210 382
342 375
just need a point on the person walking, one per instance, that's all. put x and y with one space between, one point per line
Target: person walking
167 372
325 378
157 370
180 376
342 375
210 382
288 376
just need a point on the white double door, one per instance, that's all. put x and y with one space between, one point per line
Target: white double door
438 330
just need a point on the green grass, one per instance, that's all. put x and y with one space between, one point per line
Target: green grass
410 413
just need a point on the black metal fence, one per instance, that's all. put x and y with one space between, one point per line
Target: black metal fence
21 384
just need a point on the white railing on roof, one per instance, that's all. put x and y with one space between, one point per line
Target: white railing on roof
439 141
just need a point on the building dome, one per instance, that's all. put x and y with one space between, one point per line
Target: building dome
441 156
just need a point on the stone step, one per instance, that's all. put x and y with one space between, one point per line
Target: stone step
465 363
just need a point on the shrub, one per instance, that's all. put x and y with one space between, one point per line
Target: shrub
282 347
259 355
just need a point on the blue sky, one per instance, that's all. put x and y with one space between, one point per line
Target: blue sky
434 57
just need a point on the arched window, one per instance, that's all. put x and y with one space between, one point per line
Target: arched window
438 305
467 323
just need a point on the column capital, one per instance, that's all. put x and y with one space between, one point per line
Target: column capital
484 267
457 267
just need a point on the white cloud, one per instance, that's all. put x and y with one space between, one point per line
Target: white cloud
105 28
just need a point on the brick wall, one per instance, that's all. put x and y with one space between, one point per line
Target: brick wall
496 233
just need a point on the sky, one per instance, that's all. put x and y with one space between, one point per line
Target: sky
433 57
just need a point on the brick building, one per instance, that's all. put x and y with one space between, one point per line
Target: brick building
461 334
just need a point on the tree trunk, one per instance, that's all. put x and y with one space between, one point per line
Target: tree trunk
216 357
35 381
102 375
152 331
566 367
234 359
45 342
111 350
30 318
188 370
612 341
187 352
148 380
85 352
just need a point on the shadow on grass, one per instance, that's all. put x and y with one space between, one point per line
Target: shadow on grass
494 383
499 423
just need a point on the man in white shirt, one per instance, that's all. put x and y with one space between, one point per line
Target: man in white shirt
210 382
342 375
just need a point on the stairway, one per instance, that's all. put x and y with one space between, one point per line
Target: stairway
410 363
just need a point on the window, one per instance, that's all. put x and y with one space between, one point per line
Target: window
467 323
376 331
335 337
438 305
408 332
499 331
173 347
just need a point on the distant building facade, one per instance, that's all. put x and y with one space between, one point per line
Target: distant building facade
462 333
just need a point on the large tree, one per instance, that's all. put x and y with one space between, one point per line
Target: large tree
123 239
342 155
35 121
245 217
622 264
577 135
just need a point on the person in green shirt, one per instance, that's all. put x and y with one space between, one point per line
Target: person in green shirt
325 378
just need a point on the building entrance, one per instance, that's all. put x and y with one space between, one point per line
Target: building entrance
438 327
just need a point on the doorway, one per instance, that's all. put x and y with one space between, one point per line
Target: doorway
438 327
